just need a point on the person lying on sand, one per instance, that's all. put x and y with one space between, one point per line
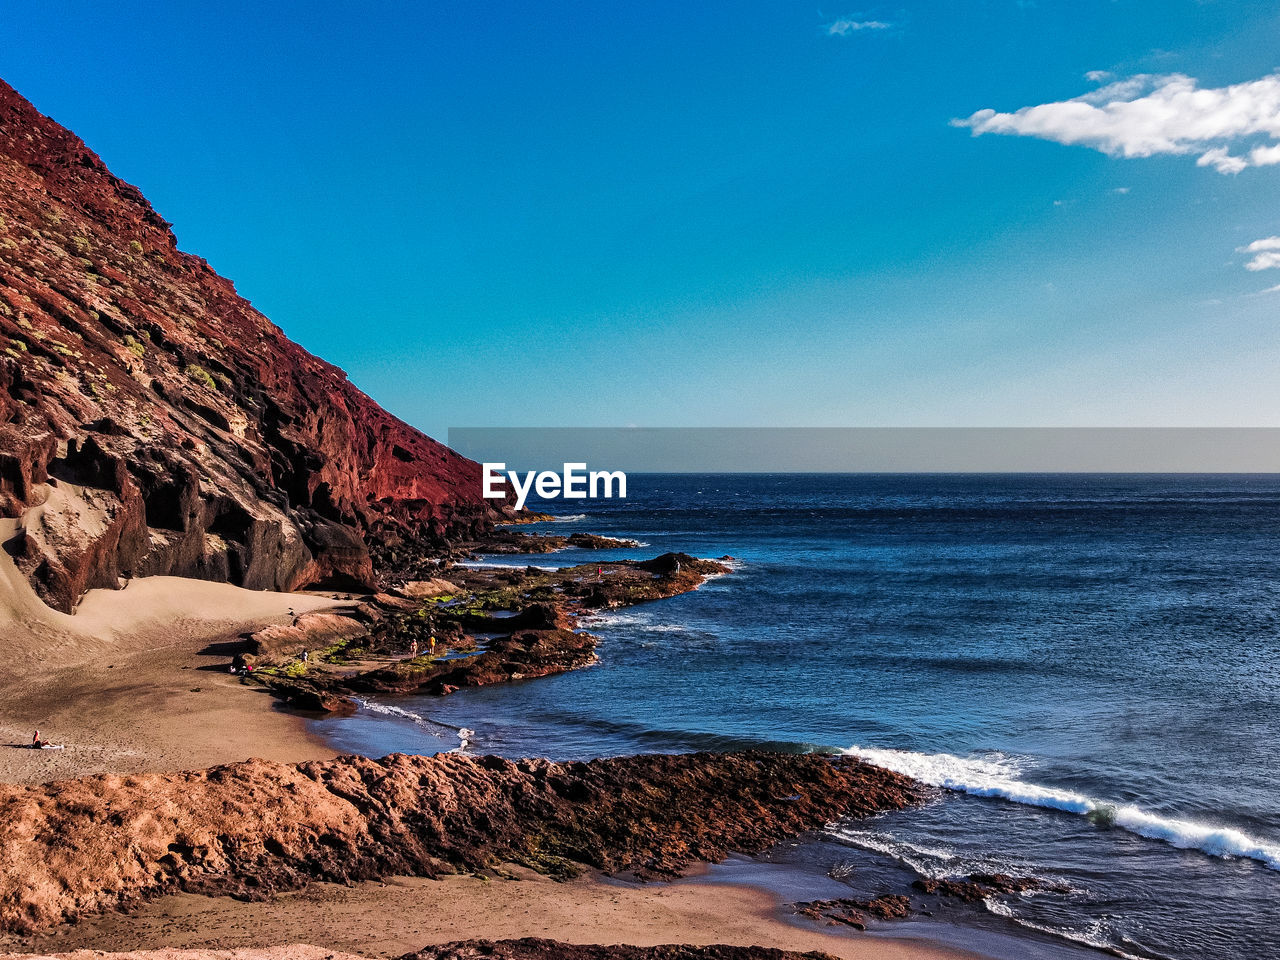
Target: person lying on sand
38 744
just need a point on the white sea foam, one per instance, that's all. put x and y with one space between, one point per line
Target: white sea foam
641 620
926 861
998 776
435 727
506 565
1094 935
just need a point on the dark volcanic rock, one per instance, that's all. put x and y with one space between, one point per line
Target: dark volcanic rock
594 541
979 886
534 948
250 829
852 913
151 421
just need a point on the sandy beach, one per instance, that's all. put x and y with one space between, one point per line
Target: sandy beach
136 680
411 913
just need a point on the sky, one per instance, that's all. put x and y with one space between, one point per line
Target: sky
991 213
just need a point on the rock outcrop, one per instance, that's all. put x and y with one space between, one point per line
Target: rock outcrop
152 421
498 625
249 829
979 886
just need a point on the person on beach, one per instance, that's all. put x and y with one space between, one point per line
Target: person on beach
36 742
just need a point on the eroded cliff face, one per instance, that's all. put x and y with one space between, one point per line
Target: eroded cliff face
153 422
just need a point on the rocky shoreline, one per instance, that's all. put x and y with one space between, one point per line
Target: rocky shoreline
467 627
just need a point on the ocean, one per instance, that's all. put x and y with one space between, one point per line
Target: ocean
1086 665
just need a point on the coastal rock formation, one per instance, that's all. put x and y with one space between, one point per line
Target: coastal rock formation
249 829
311 631
153 422
536 948
851 912
429 589
514 541
979 886
524 617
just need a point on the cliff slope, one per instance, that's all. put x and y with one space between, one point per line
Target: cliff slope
152 421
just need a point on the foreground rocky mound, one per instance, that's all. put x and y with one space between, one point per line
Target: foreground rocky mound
153 422
536 948
250 829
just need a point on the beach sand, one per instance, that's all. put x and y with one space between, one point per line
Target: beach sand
405 914
136 680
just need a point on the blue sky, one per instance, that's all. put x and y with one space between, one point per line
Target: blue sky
744 213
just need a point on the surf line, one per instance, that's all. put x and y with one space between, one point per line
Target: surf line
465 734
992 777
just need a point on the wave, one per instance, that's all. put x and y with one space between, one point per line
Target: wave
936 862
998 776
508 565
465 734
1093 936
567 518
641 620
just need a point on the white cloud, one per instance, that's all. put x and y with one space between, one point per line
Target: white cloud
844 27
1264 261
1220 159
1263 293
1147 115
1099 76
1120 190
1266 254
1265 156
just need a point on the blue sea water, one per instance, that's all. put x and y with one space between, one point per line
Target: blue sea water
1086 664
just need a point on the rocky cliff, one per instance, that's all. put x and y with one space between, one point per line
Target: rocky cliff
153 422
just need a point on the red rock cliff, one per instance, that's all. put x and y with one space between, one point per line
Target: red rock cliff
152 421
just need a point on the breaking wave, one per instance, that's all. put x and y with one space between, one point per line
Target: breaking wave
435 727
999 776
